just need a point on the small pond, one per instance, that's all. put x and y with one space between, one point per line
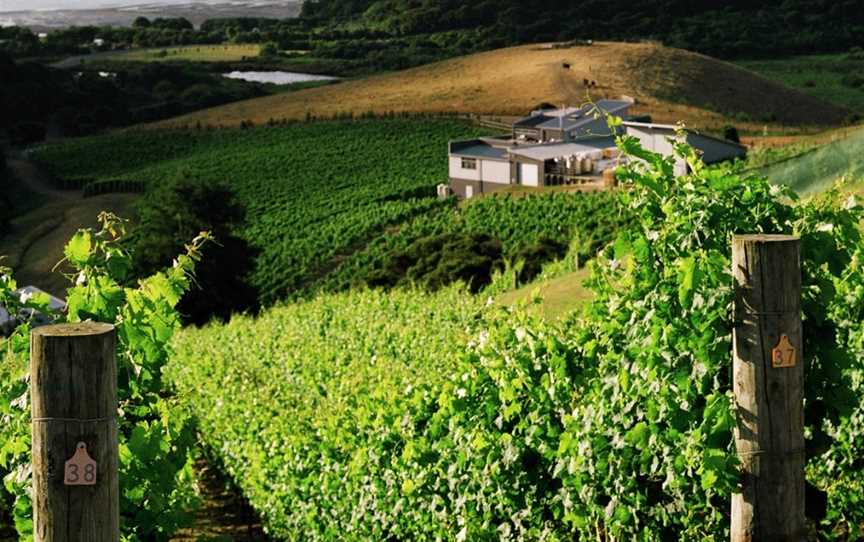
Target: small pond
278 78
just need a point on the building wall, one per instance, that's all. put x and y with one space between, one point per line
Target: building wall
530 133
712 149
495 171
529 174
715 151
653 140
460 187
519 160
458 172
552 133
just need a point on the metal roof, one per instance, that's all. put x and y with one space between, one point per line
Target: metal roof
569 118
549 151
674 128
482 150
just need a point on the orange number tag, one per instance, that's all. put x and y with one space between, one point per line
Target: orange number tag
783 355
81 469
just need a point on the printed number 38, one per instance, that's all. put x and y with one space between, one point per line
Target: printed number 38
89 473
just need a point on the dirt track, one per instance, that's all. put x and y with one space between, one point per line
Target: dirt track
36 241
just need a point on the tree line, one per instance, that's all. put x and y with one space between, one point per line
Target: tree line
396 33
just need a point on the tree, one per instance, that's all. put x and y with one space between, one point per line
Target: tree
165 90
167 215
141 22
730 133
270 49
172 23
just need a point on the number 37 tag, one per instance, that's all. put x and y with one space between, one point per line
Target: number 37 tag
81 469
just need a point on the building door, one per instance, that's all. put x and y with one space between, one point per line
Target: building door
528 174
469 192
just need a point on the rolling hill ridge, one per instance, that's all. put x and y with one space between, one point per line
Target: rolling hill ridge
668 84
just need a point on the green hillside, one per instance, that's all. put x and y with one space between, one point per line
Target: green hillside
334 204
833 78
816 170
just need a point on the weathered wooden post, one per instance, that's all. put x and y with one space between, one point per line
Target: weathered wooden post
75 450
768 380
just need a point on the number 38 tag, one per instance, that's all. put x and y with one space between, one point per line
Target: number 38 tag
81 469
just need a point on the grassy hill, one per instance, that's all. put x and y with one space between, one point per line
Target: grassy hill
669 84
834 78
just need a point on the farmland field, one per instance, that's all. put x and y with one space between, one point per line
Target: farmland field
192 53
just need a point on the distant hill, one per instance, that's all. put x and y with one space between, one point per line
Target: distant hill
669 84
722 28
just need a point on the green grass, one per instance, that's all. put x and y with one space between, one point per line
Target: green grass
818 75
558 296
191 53
817 169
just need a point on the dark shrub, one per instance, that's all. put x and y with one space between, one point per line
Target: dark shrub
853 80
434 262
535 255
730 133
172 215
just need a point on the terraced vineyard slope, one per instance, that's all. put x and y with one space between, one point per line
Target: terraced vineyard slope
329 203
311 191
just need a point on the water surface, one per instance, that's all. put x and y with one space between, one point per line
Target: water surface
278 77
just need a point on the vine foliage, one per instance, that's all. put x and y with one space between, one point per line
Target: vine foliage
613 424
155 440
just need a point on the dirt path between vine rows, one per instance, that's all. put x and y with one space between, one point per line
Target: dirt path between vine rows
32 248
224 516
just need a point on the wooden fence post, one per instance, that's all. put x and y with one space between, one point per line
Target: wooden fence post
768 381
75 449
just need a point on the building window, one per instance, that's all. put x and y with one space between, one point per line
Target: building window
469 163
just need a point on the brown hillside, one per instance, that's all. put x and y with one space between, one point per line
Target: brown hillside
669 84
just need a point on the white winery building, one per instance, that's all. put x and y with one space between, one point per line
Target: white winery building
565 146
